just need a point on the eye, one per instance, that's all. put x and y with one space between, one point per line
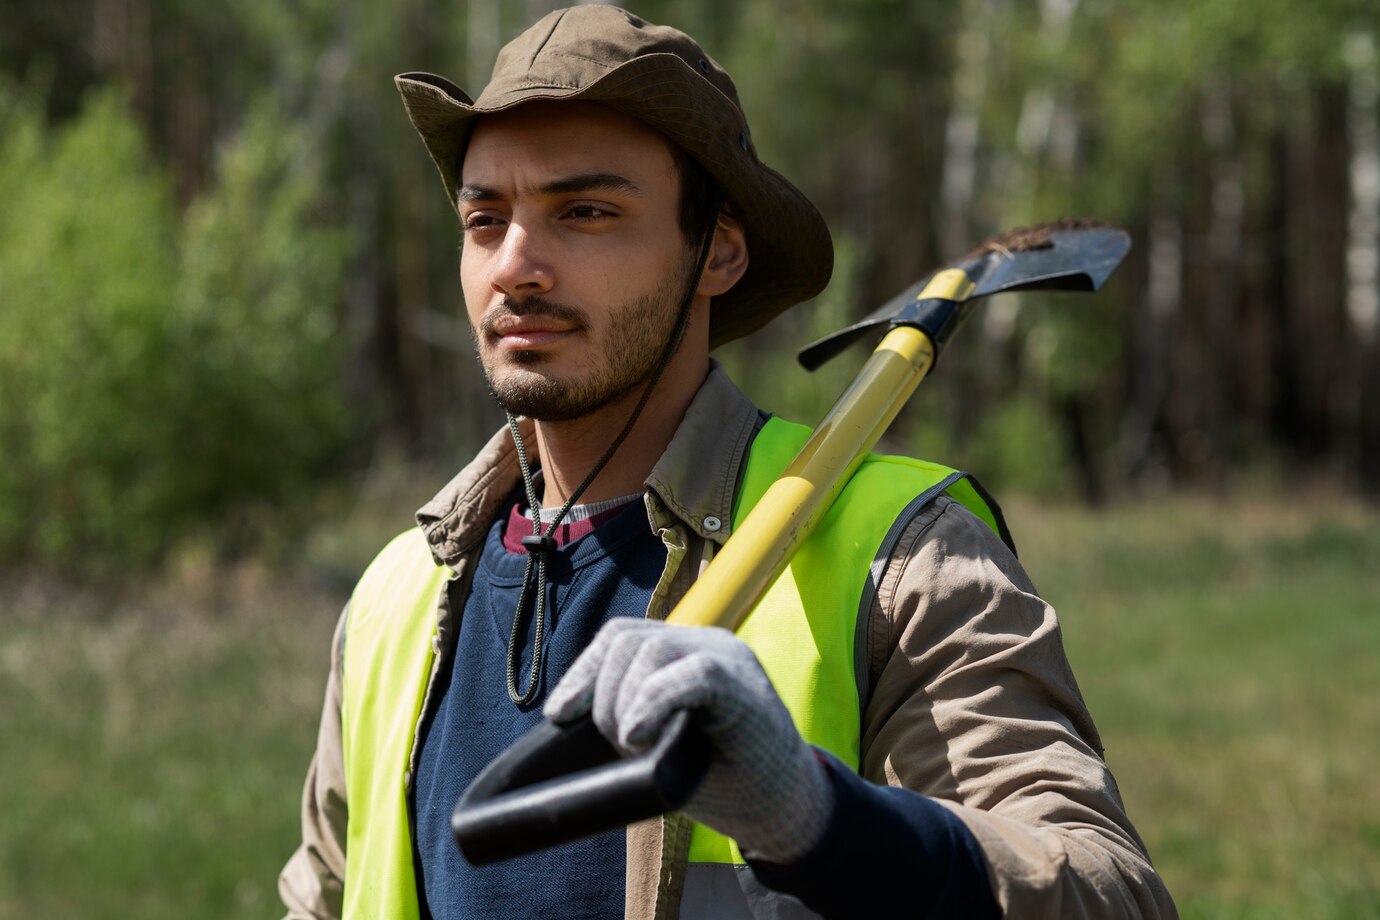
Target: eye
479 220
588 212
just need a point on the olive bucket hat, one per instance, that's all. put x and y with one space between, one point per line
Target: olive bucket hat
661 77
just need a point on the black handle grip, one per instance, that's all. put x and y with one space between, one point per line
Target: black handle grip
559 783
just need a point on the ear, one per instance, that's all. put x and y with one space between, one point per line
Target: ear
728 257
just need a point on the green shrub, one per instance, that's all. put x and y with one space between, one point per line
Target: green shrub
257 350
87 234
157 381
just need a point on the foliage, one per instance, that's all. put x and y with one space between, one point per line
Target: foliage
254 334
181 329
149 384
765 366
1018 450
86 254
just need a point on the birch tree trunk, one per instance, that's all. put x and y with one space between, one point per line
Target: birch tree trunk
959 172
1363 248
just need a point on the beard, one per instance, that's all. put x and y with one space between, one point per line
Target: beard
635 336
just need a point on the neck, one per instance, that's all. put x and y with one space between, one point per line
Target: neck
570 449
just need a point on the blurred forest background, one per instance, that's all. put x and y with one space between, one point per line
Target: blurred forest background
233 359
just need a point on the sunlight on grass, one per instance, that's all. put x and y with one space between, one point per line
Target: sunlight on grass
1228 653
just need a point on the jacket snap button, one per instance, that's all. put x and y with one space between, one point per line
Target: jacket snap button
712 523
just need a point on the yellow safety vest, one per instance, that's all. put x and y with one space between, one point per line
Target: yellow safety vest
804 631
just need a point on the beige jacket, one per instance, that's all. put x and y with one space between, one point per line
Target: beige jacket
969 697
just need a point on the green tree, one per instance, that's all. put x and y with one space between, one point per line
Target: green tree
256 350
157 379
86 254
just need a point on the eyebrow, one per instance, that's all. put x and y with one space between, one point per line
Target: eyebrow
581 182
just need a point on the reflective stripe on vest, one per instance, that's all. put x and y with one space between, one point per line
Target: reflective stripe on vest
804 631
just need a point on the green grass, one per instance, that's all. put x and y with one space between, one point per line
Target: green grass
153 749
1230 654
153 744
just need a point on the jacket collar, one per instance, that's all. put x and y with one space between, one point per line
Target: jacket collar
696 478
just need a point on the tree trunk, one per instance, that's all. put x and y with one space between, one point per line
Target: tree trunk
1220 391
1286 413
1146 457
959 171
1363 252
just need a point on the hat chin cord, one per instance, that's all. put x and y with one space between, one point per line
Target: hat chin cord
542 543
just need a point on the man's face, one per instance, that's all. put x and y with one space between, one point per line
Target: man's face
573 263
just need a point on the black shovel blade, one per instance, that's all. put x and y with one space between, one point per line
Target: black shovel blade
814 355
1073 260
560 783
1076 259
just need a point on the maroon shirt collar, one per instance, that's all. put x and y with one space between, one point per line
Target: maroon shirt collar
519 526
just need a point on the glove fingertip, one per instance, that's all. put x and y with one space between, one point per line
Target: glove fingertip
640 735
569 706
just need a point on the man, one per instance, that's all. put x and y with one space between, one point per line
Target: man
899 731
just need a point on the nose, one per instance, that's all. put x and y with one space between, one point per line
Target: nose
521 266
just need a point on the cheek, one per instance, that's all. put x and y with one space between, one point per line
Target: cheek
473 287
616 275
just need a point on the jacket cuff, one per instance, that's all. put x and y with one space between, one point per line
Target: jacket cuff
886 852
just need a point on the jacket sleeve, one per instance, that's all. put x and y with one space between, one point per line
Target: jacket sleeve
973 703
312 883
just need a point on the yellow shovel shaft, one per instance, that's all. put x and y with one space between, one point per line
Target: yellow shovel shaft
784 517
763 544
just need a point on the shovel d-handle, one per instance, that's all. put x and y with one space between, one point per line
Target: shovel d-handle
560 783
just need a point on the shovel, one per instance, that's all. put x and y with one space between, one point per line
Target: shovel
563 782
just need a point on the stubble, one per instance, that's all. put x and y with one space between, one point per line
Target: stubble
632 343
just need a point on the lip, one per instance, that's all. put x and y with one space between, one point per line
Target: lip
517 332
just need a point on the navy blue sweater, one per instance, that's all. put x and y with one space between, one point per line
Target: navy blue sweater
886 851
609 572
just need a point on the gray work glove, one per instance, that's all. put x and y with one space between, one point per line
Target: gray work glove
765 787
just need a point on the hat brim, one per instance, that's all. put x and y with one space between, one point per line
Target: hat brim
790 254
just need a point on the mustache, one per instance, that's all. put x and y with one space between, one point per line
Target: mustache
535 305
